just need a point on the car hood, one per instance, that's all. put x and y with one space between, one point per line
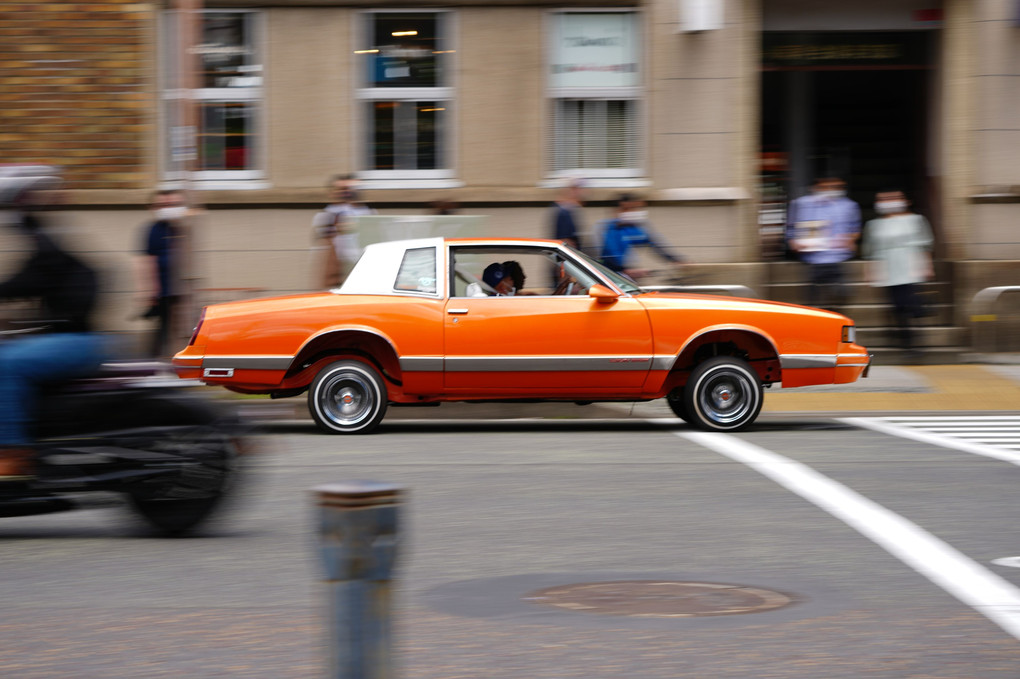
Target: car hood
688 300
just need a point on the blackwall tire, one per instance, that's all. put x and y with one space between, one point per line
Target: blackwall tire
347 397
723 394
678 404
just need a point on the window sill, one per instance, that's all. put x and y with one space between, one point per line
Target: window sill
395 183
599 182
230 185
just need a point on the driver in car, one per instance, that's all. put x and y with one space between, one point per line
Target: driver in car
505 278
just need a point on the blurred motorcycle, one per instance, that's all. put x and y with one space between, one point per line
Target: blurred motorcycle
133 431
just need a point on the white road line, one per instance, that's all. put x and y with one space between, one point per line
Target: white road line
957 574
957 418
886 427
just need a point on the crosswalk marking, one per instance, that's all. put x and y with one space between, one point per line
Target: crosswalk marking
989 594
994 436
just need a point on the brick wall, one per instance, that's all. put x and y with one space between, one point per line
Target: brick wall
75 89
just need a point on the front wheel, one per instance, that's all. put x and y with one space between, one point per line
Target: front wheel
205 449
723 394
347 397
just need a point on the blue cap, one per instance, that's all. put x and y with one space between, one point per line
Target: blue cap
493 274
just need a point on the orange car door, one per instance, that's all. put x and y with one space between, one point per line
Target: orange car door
572 345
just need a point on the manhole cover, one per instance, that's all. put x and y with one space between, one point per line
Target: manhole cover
659 598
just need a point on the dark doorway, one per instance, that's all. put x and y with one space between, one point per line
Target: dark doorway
853 105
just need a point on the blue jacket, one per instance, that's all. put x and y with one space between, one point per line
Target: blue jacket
617 240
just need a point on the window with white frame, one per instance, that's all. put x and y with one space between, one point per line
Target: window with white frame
226 141
405 94
595 91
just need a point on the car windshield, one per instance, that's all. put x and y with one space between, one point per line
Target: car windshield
625 284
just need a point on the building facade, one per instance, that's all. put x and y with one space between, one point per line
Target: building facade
716 111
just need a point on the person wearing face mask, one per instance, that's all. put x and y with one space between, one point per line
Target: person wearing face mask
333 230
160 266
898 246
627 229
822 230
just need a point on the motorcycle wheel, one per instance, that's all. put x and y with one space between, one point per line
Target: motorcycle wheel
208 448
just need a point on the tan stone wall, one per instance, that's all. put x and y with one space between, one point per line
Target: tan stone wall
702 95
997 89
310 108
501 105
75 89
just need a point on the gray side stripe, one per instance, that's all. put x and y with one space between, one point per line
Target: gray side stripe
546 363
429 364
248 362
534 363
807 361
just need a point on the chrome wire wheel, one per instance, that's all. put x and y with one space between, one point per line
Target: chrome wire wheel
723 394
347 397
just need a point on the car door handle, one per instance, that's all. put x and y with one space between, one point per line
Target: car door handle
458 312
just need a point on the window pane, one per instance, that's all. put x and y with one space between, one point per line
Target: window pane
429 122
595 50
406 135
227 136
381 115
227 51
595 134
417 271
405 51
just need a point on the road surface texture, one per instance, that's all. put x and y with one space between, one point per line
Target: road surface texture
884 515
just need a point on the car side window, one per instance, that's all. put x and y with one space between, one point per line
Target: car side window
545 272
417 271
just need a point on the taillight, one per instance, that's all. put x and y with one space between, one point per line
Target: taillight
198 326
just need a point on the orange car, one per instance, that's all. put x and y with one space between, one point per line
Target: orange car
425 321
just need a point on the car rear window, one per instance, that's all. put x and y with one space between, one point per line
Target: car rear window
417 271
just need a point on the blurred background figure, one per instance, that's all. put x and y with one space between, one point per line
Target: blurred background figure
444 206
65 289
628 228
822 231
567 224
898 246
334 232
160 283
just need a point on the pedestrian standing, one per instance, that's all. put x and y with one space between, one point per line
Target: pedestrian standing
160 282
567 224
335 233
823 229
898 246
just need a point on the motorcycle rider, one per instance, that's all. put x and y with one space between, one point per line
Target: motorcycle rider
66 290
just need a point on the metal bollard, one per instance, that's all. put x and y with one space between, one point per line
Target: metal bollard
358 543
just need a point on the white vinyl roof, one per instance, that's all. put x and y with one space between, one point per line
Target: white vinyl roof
376 271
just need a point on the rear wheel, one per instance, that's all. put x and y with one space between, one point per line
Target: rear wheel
347 397
723 394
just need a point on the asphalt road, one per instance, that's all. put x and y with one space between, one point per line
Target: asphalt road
883 543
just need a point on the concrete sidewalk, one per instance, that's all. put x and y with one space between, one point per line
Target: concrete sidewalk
967 387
